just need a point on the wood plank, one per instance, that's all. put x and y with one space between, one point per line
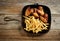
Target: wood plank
16 23
16 34
11 9
13 31
25 40
15 7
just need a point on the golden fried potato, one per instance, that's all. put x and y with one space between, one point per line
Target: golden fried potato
35 25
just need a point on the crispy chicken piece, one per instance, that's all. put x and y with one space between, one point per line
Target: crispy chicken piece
46 16
40 10
43 19
32 10
28 11
35 13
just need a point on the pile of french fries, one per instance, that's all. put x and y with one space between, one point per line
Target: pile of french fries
34 25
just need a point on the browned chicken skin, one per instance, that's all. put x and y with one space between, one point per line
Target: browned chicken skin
27 12
35 13
40 10
43 16
43 19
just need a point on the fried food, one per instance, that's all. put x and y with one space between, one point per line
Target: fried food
46 16
35 13
43 19
32 10
27 12
38 21
40 10
34 25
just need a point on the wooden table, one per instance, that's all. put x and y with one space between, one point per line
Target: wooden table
12 30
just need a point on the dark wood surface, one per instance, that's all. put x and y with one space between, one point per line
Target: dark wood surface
13 31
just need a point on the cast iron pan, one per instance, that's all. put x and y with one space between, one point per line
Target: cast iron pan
46 10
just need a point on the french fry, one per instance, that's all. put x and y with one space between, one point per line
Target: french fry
35 25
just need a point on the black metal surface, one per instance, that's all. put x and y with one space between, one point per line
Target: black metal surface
46 10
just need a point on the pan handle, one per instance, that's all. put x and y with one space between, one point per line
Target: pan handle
35 3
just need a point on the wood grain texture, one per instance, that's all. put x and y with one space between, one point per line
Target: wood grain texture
25 40
16 34
16 23
11 6
13 31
